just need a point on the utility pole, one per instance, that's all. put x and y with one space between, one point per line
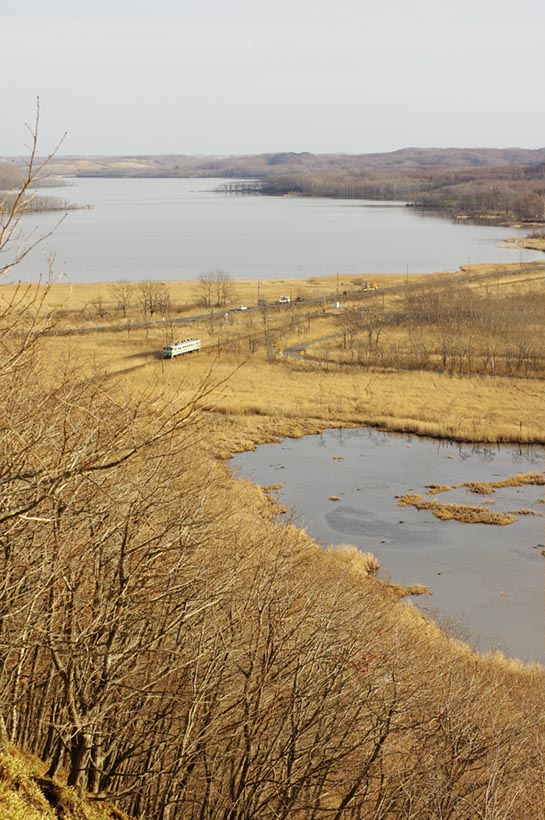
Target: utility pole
258 285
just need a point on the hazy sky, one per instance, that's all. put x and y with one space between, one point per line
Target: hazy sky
243 76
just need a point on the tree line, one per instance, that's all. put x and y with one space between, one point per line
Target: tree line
501 193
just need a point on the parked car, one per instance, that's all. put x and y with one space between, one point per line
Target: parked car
242 307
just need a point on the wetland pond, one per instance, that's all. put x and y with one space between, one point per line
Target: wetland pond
486 581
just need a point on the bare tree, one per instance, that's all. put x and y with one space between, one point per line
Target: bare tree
215 289
153 297
100 307
224 287
123 294
204 290
15 244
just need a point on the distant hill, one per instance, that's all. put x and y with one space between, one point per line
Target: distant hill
9 176
456 157
261 165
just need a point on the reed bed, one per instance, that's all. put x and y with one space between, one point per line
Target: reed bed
457 512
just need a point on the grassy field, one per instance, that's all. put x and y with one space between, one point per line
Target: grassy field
264 394
76 305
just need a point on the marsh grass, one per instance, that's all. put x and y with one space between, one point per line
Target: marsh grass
486 325
362 563
457 512
518 480
298 397
438 488
471 514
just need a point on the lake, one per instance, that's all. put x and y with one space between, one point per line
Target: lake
171 229
486 581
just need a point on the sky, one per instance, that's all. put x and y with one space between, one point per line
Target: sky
237 77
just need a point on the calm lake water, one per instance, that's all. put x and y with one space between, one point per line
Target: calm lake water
178 228
486 581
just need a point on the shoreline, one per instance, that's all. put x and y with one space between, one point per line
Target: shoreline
527 243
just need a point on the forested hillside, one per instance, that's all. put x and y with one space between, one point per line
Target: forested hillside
501 193
261 165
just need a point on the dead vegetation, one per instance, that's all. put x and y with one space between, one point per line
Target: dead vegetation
471 514
26 794
518 480
457 512
483 326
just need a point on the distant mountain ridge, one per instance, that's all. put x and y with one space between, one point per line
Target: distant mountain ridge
172 165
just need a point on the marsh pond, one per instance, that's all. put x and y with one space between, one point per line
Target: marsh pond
486 581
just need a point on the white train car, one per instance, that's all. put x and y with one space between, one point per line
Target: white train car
178 348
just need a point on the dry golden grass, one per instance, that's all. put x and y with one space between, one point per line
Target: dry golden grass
437 488
76 304
457 512
417 589
488 662
262 399
471 514
524 511
518 480
25 794
361 563
290 398
366 565
532 243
